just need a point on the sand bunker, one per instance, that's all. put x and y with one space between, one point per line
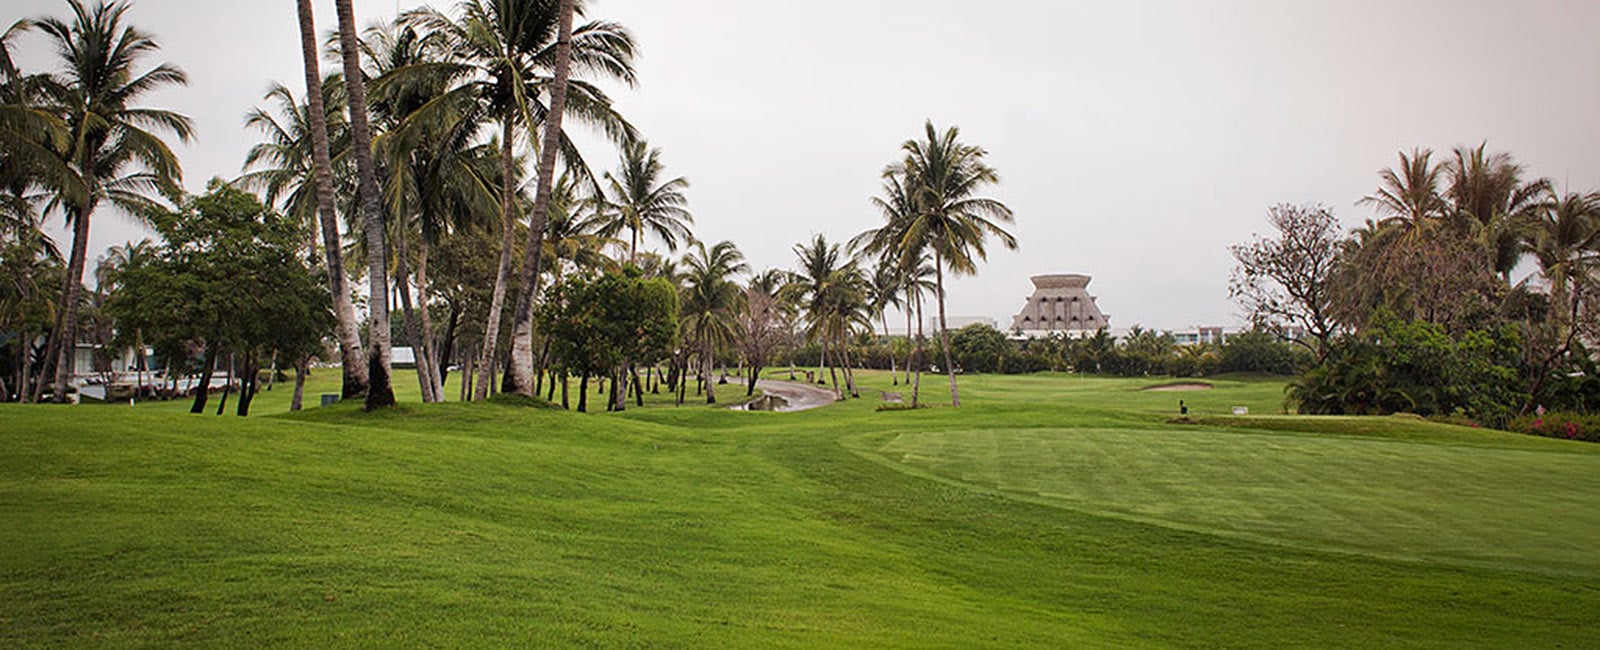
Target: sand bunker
1179 387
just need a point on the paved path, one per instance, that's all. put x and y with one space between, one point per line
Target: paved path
799 395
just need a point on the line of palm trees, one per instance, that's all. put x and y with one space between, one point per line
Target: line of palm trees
419 141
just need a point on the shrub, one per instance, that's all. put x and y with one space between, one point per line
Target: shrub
1559 424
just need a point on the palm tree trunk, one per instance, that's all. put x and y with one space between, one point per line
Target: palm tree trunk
379 392
944 330
883 319
916 384
849 371
833 368
705 371
508 229
409 320
66 339
522 326
429 350
344 311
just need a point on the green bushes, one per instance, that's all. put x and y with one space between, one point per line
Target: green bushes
1415 367
1559 424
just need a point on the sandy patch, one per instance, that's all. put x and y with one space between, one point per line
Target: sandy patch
1185 386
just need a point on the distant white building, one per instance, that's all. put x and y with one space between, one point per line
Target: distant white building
958 322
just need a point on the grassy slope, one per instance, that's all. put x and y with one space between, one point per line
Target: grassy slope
453 524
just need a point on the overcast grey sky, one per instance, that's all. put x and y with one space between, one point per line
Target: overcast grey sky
1136 140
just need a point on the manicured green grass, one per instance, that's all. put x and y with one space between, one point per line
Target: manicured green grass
1091 523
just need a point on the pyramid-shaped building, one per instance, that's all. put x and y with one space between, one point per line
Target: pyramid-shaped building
1060 304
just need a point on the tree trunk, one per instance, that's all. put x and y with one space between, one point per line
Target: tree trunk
227 387
425 341
910 343
66 337
202 390
379 392
705 373
300 369
833 368
916 384
944 330
448 347
638 393
522 325
849 371
409 321
888 343
344 311
247 384
508 230
583 393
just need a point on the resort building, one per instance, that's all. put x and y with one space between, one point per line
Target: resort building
1060 304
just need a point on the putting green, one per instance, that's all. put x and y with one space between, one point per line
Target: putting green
1529 509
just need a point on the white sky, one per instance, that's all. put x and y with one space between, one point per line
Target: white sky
1136 140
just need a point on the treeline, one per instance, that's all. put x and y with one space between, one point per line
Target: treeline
982 349
1419 310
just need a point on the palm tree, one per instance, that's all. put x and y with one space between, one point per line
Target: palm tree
1569 228
379 391
711 303
942 176
297 151
437 178
831 295
501 50
640 202
113 151
1411 195
885 291
1487 196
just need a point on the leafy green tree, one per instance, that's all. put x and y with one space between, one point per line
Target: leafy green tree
229 279
598 325
979 348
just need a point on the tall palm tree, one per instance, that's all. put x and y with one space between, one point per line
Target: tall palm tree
640 202
294 166
522 377
503 56
827 288
113 151
437 177
711 302
942 176
380 393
